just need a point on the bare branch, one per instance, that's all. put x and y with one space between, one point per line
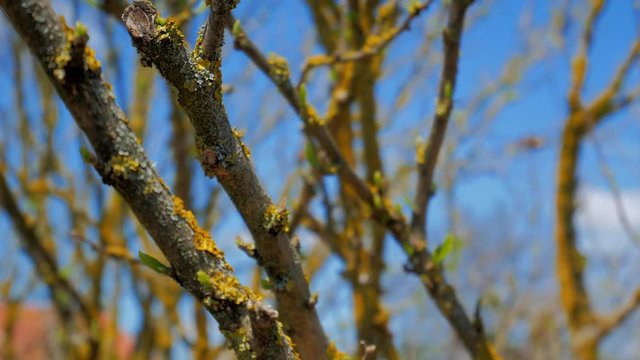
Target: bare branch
614 320
428 158
374 44
120 160
44 263
579 63
213 37
223 155
420 263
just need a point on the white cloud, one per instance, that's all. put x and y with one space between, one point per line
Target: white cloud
599 222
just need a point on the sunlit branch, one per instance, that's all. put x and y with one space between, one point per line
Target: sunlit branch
195 260
428 157
420 262
223 155
374 44
580 60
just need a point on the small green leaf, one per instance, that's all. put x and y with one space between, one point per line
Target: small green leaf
443 250
153 263
448 90
236 30
377 201
311 155
449 250
302 93
81 30
204 279
378 180
266 284
87 157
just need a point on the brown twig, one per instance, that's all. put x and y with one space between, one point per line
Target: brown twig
580 122
374 44
428 157
223 155
420 262
121 161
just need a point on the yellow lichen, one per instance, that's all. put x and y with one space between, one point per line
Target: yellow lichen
238 135
168 30
279 68
335 354
122 166
203 240
190 85
238 339
227 287
276 219
61 60
421 149
203 64
288 341
64 56
90 59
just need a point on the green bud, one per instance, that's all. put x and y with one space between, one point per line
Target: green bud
153 263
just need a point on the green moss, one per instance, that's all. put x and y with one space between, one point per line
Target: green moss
161 21
80 30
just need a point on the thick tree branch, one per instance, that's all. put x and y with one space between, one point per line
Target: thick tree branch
314 128
430 273
223 155
582 119
213 37
196 263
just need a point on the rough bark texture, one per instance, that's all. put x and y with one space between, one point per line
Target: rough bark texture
223 155
430 273
250 327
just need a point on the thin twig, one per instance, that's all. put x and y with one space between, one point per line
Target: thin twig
374 44
428 157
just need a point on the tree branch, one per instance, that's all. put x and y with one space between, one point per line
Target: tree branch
580 60
614 320
373 45
196 262
428 158
223 155
44 263
420 262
